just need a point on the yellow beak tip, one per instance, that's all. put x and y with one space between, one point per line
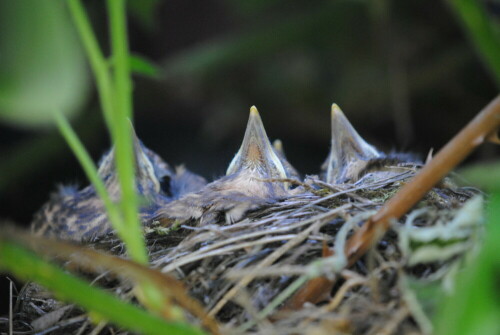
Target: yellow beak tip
278 145
254 111
336 109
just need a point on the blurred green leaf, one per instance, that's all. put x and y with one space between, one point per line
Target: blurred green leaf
474 308
42 66
143 10
26 160
483 175
141 65
483 32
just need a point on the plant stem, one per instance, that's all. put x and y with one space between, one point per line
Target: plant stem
476 132
117 107
121 58
97 61
123 139
88 167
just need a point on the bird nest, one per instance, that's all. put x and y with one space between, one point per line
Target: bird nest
282 269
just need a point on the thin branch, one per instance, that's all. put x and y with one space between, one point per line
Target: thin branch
11 314
483 127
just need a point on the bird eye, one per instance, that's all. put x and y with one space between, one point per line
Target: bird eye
165 186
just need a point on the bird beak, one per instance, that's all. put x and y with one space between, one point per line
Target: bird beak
256 152
348 149
145 170
278 147
290 171
144 167
107 165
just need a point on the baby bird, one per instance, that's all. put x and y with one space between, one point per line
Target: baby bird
245 187
352 158
77 215
290 170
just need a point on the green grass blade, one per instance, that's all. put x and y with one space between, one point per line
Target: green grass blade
26 265
96 59
116 106
123 137
88 167
482 31
120 52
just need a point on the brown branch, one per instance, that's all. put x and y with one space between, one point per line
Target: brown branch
315 290
483 127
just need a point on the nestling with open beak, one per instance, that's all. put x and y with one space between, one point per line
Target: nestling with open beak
352 158
245 187
77 215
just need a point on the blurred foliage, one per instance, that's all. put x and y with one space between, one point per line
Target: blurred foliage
144 11
43 149
398 69
484 32
402 71
486 175
474 307
42 67
140 65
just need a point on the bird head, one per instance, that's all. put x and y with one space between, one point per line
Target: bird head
256 154
151 172
349 153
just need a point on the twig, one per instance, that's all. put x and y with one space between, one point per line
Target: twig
392 325
285 294
82 327
333 188
190 258
480 129
288 181
237 239
320 220
335 301
11 314
63 324
100 326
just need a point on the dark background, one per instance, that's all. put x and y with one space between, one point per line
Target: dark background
404 73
